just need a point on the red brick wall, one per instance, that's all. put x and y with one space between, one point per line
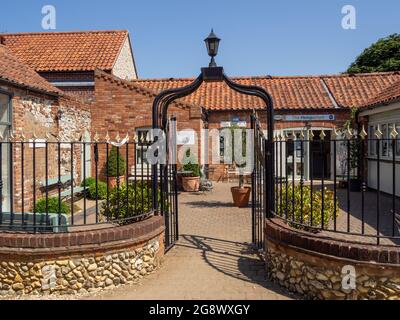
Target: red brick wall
121 107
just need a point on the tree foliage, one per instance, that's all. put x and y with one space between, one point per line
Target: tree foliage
382 56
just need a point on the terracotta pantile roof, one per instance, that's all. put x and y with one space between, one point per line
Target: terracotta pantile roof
357 90
12 70
67 51
303 92
389 94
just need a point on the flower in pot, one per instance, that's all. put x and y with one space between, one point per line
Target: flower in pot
191 177
115 168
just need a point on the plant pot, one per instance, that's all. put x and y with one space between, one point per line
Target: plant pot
191 184
355 185
241 196
112 181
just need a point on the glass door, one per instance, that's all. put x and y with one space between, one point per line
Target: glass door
295 154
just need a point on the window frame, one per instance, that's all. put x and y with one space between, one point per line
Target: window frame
385 141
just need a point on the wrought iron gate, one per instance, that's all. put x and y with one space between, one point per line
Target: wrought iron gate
168 188
262 197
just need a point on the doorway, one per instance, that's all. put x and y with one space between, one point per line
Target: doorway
320 156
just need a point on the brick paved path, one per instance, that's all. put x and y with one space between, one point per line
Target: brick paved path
213 259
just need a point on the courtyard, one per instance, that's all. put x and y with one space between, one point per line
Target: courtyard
213 260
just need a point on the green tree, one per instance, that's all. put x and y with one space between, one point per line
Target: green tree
384 55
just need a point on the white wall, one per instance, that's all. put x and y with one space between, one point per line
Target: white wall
389 115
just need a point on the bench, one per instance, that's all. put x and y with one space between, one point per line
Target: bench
136 173
44 222
66 186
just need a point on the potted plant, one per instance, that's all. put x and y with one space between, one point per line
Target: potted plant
240 193
115 168
191 181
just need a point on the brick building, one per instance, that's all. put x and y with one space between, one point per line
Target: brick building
30 106
100 66
68 59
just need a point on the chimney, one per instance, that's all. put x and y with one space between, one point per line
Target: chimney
2 40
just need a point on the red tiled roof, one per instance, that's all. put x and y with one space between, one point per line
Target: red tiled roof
12 70
67 51
387 95
303 92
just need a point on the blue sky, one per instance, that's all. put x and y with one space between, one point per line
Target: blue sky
259 37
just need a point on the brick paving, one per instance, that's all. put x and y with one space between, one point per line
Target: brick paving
213 259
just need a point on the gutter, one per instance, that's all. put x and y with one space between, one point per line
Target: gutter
25 87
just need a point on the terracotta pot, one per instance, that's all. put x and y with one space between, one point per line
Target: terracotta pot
241 196
191 184
112 181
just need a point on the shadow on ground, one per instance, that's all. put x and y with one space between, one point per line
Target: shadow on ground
234 259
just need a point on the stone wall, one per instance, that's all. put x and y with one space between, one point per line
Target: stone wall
317 267
80 262
48 118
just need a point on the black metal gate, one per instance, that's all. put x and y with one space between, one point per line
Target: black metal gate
168 201
262 197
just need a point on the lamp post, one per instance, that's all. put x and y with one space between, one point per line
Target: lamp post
212 43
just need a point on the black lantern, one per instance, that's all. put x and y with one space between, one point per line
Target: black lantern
212 43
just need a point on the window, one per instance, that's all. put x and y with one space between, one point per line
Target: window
143 135
5 128
385 141
372 142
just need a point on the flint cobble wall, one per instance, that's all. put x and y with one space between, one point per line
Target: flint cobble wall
317 267
80 262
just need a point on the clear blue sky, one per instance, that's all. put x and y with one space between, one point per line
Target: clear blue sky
259 37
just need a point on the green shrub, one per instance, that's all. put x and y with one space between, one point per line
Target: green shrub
296 215
88 182
101 191
112 164
194 168
53 202
140 201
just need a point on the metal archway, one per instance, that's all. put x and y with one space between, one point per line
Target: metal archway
160 172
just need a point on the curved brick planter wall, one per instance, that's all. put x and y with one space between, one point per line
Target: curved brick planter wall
79 262
312 265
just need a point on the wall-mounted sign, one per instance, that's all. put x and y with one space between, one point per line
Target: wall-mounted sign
225 124
185 138
310 117
278 117
229 124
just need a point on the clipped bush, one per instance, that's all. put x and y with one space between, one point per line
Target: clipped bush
52 207
101 193
112 168
194 168
88 182
301 214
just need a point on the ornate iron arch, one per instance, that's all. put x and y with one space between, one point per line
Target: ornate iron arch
165 98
